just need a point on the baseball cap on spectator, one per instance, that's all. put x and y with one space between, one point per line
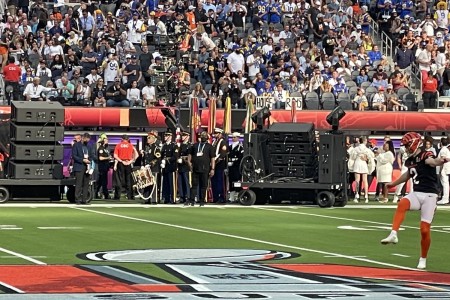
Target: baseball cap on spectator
269 65
128 56
318 3
133 56
389 87
358 26
191 7
109 13
152 13
381 88
439 34
158 58
112 50
327 64
135 13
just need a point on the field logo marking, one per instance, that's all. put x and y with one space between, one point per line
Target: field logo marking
232 236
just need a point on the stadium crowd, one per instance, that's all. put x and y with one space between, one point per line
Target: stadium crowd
144 53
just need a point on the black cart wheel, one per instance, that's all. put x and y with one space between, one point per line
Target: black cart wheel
325 199
70 194
247 197
4 194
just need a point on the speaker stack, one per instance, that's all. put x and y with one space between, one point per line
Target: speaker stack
36 132
332 162
292 150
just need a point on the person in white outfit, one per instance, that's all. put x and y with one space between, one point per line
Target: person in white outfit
445 172
385 158
401 158
364 164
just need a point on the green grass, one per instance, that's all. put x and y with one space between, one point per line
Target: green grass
311 232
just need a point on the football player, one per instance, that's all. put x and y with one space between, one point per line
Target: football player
421 166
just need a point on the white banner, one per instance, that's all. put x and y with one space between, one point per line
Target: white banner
294 100
263 102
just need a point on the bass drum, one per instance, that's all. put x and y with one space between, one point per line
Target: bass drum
142 179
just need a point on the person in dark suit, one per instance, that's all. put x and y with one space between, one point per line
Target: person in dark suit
83 158
202 161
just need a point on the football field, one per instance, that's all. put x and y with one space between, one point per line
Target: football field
133 251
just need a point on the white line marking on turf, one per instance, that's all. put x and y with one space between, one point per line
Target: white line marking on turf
11 256
343 219
57 228
11 228
246 239
401 255
357 256
30 259
12 288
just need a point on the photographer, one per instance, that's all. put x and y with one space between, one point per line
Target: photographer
115 95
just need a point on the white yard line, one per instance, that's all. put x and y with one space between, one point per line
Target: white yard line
345 219
246 239
28 258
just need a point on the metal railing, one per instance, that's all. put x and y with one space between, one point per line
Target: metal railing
387 47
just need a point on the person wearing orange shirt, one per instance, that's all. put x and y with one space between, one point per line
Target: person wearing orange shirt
125 155
190 18
11 75
429 89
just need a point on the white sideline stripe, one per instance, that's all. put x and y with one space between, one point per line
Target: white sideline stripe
357 256
345 219
401 255
12 288
30 259
56 228
10 256
11 228
247 239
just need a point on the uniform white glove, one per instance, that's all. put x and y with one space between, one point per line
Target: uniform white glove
179 160
230 163
163 166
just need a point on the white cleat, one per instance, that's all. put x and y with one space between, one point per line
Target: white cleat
367 200
356 200
422 263
442 202
395 199
391 239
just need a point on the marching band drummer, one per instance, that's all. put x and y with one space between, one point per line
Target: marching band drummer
151 156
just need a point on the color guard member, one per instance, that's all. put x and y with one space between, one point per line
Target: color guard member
184 185
234 162
152 157
220 152
169 155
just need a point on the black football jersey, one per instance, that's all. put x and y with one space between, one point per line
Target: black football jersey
424 176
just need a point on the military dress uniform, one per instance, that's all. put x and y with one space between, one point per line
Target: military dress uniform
184 184
152 158
234 162
218 180
169 156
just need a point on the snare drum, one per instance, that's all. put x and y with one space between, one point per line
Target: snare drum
143 178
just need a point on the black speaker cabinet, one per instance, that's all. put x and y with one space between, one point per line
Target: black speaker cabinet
292 148
37 112
36 152
291 132
25 133
294 171
255 153
34 171
293 159
332 159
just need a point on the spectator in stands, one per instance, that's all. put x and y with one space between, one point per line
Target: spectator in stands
116 94
393 102
379 99
84 93
280 95
99 94
33 91
400 81
362 77
134 95
149 95
66 89
360 100
200 94
429 88
378 81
